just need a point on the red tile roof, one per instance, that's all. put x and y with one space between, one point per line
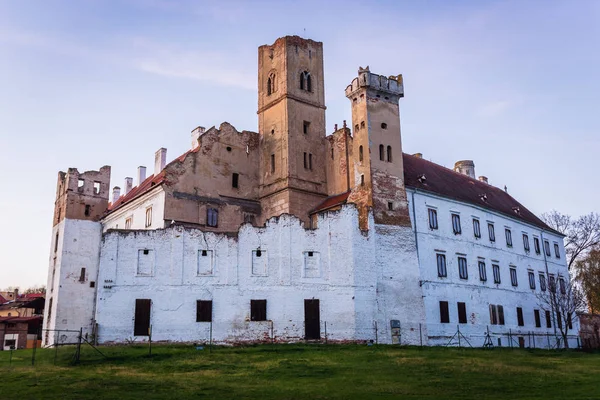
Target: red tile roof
20 319
448 183
2 299
331 201
31 295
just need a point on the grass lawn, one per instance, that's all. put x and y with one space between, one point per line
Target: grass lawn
300 372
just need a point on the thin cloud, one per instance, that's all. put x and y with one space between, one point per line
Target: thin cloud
495 108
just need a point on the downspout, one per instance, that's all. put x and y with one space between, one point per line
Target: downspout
412 196
543 248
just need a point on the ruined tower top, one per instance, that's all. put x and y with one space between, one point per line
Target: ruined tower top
393 86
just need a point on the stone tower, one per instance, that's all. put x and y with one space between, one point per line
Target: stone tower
377 171
291 123
81 199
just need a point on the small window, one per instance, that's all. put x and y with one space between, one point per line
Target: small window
305 127
513 276
444 314
148 217
526 242
228 148
356 129
362 180
520 321
204 310
235 180
80 183
381 152
389 154
531 280
362 124
536 245
390 206
547 247
305 81
269 91
508 235
463 271
476 228
491 232
462 312
332 154
538 320
383 125
542 281
92 284
310 163
441 265
128 222
482 272
212 217
562 286
272 163
82 275
548 319
556 250
258 310
87 210
360 153
433 221
305 160
56 243
493 314
496 272
456 224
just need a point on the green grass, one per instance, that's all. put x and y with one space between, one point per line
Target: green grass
300 372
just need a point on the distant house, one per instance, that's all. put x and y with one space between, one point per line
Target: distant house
20 332
25 306
590 330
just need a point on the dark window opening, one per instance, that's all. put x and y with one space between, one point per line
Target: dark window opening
356 128
204 310
228 148
360 153
547 247
56 243
558 320
381 152
520 321
87 210
556 250
204 253
531 279
82 275
389 153
92 284
332 154
548 319
525 242
552 283
383 125
536 245
258 310
258 253
538 320
542 282
305 81
272 131
444 314
362 180
462 313
305 127
508 234
146 252
390 206
310 253
362 123
272 163
234 180
141 325
212 217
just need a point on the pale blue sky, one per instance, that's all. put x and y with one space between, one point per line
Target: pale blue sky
513 85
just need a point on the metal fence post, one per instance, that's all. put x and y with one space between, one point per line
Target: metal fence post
376 334
325 332
458 331
420 335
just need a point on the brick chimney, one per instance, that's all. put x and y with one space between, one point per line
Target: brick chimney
160 160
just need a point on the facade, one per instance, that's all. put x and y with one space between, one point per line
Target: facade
288 234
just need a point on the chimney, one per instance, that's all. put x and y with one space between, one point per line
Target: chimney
483 179
196 133
116 194
141 175
160 160
128 185
465 167
418 155
16 293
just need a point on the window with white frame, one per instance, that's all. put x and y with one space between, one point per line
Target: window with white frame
148 217
482 271
542 277
536 245
441 265
556 250
463 271
547 247
476 228
456 224
526 242
491 232
513 276
531 280
433 221
508 235
496 271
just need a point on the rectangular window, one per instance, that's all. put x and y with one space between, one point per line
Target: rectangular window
491 232
305 127
558 320
258 310
508 234
204 310
547 247
536 245
310 161
141 323
212 217
538 321
462 313
520 321
128 222
96 187
496 270
444 315
305 160
513 276
235 177
561 285
552 283
556 250
56 243
476 228
526 242
463 271
493 315
433 222
500 315
148 217
531 280
548 320
441 265
82 275
542 282
272 163
482 272
456 224
86 212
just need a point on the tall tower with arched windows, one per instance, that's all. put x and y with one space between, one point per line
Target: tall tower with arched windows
291 123
377 170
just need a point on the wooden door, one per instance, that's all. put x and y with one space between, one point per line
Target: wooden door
312 320
142 317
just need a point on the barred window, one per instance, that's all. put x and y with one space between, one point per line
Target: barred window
441 265
482 271
456 224
476 228
462 268
513 276
496 270
526 242
433 221
491 232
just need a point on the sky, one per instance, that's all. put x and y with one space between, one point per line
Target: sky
512 85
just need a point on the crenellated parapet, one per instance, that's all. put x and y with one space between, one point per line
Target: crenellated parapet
392 85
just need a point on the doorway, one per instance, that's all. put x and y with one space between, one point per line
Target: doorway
312 320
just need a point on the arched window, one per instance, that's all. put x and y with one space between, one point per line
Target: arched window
308 82
271 85
381 151
360 153
305 81
389 153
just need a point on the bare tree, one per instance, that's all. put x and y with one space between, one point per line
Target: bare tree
35 289
563 303
581 234
588 276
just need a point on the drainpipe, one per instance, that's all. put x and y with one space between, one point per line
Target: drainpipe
412 196
543 248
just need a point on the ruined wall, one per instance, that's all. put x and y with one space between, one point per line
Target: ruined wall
339 152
